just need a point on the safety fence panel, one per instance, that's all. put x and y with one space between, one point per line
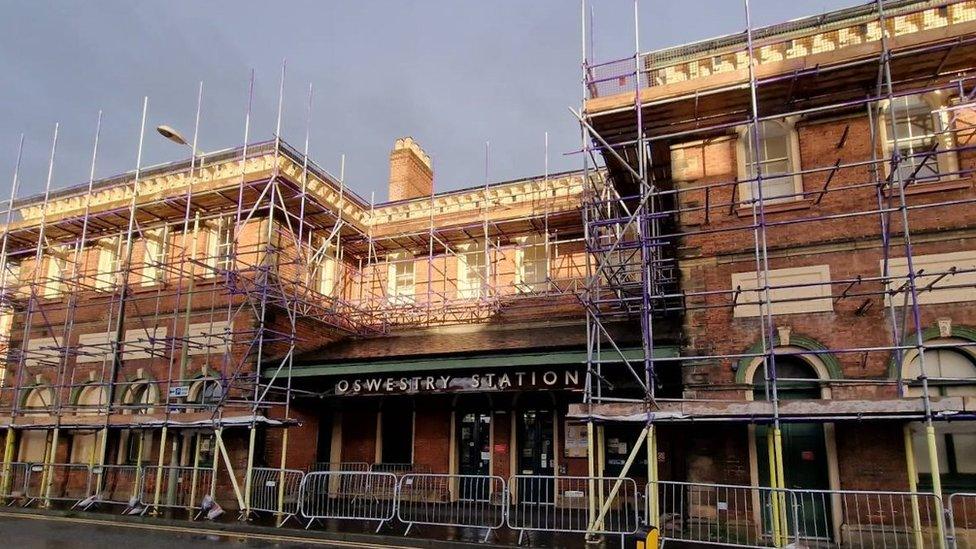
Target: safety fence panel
722 514
120 484
13 479
474 501
962 520
870 518
399 469
275 490
58 482
573 504
174 486
353 495
339 466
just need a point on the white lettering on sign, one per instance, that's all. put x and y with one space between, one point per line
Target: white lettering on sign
490 381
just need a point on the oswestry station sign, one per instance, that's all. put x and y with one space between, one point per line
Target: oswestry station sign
487 381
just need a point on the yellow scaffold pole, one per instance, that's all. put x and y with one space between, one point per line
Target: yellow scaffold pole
246 512
936 478
652 477
8 457
913 485
281 475
774 484
49 470
159 468
230 468
195 476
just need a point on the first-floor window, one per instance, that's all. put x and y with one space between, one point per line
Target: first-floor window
400 279
472 273
532 264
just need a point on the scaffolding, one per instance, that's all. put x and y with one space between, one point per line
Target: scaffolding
867 62
173 299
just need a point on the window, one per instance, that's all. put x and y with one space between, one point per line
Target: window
207 391
108 263
53 278
221 245
955 445
33 443
472 273
325 272
918 130
776 160
400 279
532 264
157 242
951 372
91 401
140 397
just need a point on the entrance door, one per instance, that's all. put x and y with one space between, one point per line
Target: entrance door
474 454
536 454
474 443
805 467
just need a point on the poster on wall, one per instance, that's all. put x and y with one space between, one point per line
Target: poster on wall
575 440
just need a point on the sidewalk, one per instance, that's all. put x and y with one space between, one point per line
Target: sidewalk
349 533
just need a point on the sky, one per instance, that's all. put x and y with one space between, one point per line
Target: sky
453 74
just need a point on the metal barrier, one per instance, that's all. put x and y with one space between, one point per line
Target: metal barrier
870 518
339 466
276 491
116 484
563 504
353 495
57 482
13 480
178 487
399 469
723 514
962 520
473 501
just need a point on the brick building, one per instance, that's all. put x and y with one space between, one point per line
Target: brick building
763 275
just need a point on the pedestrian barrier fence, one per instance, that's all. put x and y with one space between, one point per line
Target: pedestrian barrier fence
398 469
473 501
573 504
13 480
275 491
962 520
175 486
337 466
870 519
115 484
721 514
353 495
58 482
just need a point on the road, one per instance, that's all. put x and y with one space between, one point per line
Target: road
25 531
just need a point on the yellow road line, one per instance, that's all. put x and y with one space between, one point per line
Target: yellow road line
203 531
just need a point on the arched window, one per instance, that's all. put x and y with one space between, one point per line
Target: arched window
140 397
33 443
791 373
951 372
775 161
207 391
91 400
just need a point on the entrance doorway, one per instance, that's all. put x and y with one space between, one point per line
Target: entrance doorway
474 443
397 431
536 454
805 463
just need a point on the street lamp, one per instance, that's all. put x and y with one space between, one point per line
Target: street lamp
172 134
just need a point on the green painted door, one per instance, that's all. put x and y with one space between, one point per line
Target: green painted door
805 467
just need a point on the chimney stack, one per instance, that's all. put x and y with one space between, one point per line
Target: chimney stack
411 174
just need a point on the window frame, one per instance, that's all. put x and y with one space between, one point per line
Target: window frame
397 293
947 162
522 260
742 147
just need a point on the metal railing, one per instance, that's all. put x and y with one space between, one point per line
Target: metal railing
564 504
472 501
174 486
870 518
57 482
13 480
962 520
352 495
723 514
276 491
339 466
399 469
115 484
